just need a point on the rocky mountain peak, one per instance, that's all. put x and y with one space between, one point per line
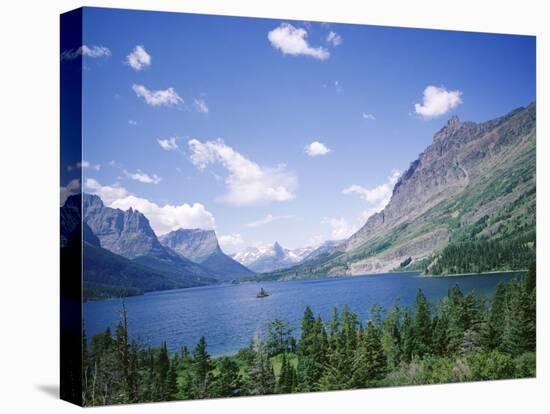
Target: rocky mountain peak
127 233
453 121
452 126
91 201
278 249
194 244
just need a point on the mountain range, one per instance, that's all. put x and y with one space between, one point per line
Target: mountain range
273 257
123 256
471 193
473 188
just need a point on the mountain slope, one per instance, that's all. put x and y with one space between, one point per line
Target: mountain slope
474 183
202 247
106 273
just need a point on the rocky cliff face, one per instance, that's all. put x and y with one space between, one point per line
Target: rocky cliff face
127 233
469 173
201 246
194 244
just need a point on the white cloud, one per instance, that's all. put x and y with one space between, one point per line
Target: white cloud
316 149
72 188
139 58
247 182
164 218
437 101
338 86
143 177
88 51
168 144
293 41
230 241
84 164
201 106
166 97
369 117
132 122
266 220
341 229
378 197
334 39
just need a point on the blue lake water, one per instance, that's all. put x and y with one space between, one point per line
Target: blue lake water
230 315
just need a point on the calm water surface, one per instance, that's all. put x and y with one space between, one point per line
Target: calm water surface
229 315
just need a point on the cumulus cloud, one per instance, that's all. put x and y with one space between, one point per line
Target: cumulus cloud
378 197
334 39
291 40
132 122
84 164
316 149
437 101
266 220
229 242
88 51
139 58
164 218
166 97
72 188
247 182
341 229
369 117
143 177
338 86
168 144
201 106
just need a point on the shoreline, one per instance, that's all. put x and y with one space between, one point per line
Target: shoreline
489 273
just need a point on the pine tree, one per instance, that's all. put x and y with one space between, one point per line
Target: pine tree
171 383
370 361
228 380
312 352
162 368
286 380
422 325
456 320
440 340
279 334
407 337
200 370
391 337
530 308
262 377
126 360
493 329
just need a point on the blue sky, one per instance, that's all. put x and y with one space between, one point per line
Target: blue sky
210 121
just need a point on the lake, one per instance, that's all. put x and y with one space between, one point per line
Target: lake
230 315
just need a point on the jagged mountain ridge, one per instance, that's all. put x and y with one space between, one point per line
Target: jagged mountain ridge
202 247
474 180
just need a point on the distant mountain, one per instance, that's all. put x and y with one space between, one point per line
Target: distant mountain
324 248
129 234
467 204
202 247
270 258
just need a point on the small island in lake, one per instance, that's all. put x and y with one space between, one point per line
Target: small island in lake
262 293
